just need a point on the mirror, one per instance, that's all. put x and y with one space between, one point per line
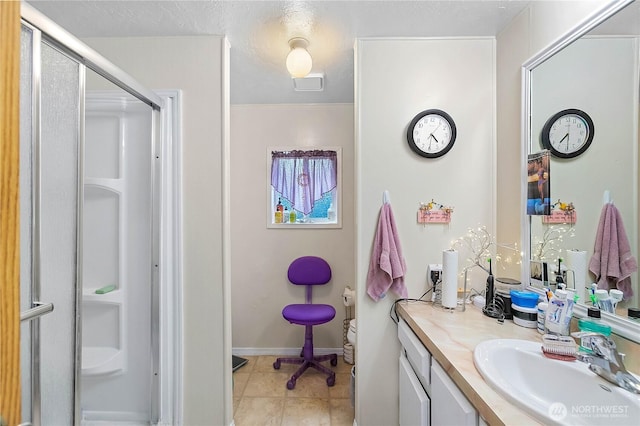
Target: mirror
593 70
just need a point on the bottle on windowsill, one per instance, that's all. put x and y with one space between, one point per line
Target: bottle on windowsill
278 216
331 213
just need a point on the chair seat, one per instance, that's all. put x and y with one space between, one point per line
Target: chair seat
308 314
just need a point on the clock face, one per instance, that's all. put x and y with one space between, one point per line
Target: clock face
431 133
568 133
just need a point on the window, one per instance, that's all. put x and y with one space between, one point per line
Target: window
304 188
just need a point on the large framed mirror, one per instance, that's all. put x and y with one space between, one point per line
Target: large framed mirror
582 102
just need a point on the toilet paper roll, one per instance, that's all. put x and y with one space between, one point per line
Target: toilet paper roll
577 262
449 278
348 297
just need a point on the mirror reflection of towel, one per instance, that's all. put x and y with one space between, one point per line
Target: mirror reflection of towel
386 266
612 262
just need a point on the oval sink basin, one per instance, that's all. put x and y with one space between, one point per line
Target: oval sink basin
552 391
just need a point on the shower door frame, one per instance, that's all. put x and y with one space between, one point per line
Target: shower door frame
166 398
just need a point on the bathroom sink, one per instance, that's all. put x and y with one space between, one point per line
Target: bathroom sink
553 391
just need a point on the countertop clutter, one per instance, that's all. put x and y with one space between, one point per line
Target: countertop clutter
451 337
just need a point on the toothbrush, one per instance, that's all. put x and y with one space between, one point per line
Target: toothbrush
592 295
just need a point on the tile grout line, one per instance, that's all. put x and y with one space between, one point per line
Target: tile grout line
253 372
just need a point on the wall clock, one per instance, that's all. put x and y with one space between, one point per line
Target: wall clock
431 133
568 133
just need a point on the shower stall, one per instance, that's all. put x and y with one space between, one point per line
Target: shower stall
92 284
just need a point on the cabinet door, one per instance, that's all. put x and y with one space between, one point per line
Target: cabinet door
451 407
414 402
418 356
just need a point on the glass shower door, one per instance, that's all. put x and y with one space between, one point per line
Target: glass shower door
89 231
50 145
117 242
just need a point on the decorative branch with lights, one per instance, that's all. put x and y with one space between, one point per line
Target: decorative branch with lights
480 245
549 246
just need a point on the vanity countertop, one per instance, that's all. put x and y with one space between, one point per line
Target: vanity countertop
451 337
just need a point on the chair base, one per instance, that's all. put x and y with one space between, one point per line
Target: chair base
306 363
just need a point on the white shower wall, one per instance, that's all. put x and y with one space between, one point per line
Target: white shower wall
117 366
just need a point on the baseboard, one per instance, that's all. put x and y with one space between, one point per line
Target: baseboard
283 351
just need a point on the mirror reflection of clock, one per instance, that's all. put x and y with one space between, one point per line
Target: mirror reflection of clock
568 133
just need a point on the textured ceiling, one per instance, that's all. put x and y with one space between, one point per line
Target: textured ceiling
258 32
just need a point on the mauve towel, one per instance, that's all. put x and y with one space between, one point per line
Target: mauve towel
386 266
612 262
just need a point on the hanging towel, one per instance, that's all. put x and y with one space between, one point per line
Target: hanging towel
612 262
386 266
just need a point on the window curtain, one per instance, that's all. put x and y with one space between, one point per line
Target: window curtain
303 177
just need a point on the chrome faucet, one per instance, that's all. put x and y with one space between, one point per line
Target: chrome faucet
607 362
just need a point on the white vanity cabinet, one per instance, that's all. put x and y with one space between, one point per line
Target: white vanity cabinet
414 379
415 406
427 393
452 407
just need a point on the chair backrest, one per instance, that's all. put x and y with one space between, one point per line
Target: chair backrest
309 271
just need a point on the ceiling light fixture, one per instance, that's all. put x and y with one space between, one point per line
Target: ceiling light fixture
299 60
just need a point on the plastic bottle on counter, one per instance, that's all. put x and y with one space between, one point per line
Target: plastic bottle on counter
542 310
292 216
558 316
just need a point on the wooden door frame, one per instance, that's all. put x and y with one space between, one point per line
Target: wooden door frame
10 392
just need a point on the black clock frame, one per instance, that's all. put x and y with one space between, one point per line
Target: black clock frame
546 143
412 143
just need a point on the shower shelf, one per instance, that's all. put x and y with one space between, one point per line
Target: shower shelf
103 334
116 185
90 296
98 360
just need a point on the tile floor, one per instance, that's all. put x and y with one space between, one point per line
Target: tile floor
261 397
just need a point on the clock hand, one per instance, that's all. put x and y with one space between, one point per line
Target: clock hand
434 138
565 137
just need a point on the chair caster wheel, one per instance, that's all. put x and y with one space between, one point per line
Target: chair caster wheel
291 384
331 380
334 361
276 365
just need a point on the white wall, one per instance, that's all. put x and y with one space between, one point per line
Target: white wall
196 66
549 20
512 52
395 80
260 256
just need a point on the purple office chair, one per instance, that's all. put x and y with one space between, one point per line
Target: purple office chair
309 271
